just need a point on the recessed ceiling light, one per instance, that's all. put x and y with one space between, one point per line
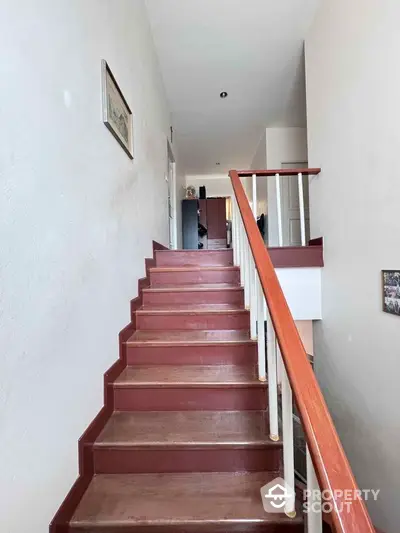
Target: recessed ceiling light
224 94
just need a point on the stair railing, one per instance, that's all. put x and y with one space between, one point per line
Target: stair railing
289 373
299 173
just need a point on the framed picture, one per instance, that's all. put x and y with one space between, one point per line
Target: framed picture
391 291
116 113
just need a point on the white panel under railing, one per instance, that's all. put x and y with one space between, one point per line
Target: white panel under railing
302 290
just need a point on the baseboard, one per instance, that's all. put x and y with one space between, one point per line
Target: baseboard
60 522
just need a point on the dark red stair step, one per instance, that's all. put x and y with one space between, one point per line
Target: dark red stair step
189 387
194 258
196 294
179 503
189 316
191 347
176 276
185 441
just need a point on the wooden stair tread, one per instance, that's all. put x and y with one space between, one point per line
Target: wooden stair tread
198 499
194 288
188 375
187 428
191 308
189 337
193 268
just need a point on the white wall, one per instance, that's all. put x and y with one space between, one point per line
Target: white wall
216 184
284 145
180 195
77 218
353 87
259 162
305 329
302 290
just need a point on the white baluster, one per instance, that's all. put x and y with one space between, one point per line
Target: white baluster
235 232
246 265
253 298
302 212
287 437
261 332
314 514
279 364
253 272
279 208
272 381
254 184
241 249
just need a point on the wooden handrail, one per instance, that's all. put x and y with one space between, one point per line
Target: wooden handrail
280 171
329 459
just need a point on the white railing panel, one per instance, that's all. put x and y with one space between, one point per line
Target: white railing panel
235 233
302 211
272 380
314 510
253 298
246 267
288 442
242 243
279 208
261 332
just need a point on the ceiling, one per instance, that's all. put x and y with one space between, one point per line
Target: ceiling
253 49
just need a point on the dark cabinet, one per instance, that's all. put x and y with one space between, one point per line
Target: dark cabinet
190 236
210 213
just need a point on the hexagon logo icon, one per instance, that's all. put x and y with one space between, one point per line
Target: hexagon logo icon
275 495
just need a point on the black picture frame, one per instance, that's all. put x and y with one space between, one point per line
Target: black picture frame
391 292
117 115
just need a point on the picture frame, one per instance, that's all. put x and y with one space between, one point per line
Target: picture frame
391 291
117 115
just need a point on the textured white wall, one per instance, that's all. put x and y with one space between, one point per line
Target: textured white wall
284 145
305 329
77 218
259 162
302 290
180 195
216 184
353 87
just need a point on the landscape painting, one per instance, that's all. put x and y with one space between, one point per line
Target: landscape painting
116 113
391 291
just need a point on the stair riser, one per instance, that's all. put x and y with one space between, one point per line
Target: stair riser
190 399
193 258
210 297
156 460
193 277
235 354
202 321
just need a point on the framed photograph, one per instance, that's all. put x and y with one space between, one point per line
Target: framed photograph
116 113
391 291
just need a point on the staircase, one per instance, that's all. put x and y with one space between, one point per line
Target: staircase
186 448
